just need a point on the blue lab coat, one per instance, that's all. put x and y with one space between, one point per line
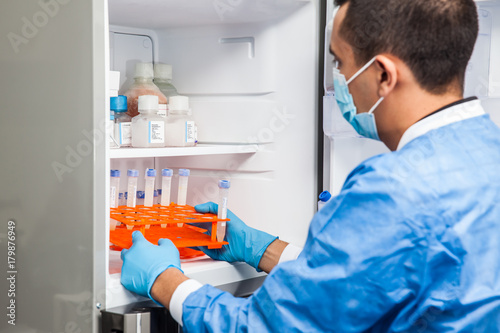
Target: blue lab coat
411 244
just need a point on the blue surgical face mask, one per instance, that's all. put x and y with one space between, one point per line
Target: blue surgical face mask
363 123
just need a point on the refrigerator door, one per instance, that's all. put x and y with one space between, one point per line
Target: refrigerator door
52 85
344 149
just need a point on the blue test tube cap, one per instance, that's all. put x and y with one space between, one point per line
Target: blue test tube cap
224 184
184 172
118 104
133 173
167 172
150 173
115 173
155 193
141 194
325 196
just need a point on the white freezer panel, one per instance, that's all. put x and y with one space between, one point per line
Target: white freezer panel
221 60
345 154
157 14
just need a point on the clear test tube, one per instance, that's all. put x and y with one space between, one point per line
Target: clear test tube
224 186
132 187
183 186
140 198
121 199
150 187
166 184
114 188
156 195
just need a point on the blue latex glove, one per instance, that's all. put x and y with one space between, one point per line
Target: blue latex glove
143 262
245 244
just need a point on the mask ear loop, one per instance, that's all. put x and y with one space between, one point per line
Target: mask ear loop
376 105
361 70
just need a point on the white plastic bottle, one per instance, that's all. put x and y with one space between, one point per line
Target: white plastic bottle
123 122
224 186
324 197
143 85
149 187
163 80
110 127
148 128
132 187
180 128
114 188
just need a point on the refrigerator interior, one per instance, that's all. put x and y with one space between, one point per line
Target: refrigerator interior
250 70
344 149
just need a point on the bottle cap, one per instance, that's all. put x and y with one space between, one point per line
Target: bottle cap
178 103
150 173
133 173
144 70
163 72
184 172
115 173
167 172
119 104
141 194
148 102
325 196
155 193
224 184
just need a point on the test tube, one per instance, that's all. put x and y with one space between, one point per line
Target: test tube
132 187
114 188
156 195
183 185
224 186
166 183
150 187
121 199
140 198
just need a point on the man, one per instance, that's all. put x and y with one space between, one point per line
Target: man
411 243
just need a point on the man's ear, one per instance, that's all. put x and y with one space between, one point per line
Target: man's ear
387 75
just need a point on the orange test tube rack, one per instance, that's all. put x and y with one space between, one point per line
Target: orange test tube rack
138 218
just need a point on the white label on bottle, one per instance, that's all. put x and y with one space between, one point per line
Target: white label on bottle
162 110
190 131
156 132
125 133
113 197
